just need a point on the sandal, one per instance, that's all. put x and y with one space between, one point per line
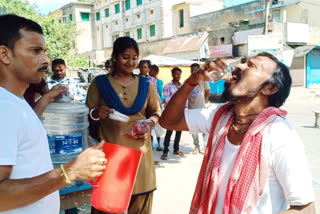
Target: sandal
159 149
164 156
157 163
178 153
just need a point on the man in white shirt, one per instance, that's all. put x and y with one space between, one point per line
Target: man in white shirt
28 182
197 99
250 164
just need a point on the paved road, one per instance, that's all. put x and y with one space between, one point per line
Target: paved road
176 177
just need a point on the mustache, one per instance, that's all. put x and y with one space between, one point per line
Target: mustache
43 68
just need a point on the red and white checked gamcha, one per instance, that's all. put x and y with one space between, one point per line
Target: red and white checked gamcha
250 171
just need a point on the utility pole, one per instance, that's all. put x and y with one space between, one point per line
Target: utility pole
267 10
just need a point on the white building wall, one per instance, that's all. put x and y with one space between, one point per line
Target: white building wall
141 16
84 39
205 7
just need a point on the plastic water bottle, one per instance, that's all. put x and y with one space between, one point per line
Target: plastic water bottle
215 75
66 123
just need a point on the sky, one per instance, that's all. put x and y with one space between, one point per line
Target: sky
47 6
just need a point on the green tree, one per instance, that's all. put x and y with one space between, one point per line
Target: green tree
59 36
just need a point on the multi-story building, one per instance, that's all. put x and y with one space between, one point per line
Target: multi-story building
160 26
81 14
150 22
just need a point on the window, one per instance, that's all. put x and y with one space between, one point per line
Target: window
127 33
138 16
139 2
107 26
276 16
64 20
152 30
117 8
151 11
85 16
181 18
115 36
222 40
106 11
70 17
127 19
139 33
97 16
127 4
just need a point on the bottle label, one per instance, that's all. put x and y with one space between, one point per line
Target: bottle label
64 144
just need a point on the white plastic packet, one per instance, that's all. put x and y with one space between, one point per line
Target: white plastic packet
118 116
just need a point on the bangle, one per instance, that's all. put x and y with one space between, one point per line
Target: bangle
190 83
93 118
65 174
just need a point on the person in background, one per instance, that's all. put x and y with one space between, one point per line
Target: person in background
28 182
144 67
108 65
197 99
134 96
254 161
59 77
154 71
169 90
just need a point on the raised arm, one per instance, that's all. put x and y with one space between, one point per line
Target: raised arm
173 115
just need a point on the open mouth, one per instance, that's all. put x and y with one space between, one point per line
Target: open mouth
236 75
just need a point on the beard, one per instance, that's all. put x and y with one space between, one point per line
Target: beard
228 96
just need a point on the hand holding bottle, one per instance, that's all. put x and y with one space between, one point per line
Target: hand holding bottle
217 70
141 129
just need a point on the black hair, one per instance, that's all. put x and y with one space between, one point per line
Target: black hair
175 69
194 65
119 46
10 26
108 64
145 61
56 62
155 68
281 79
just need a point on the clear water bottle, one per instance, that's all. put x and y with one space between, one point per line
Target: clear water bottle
66 123
215 75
